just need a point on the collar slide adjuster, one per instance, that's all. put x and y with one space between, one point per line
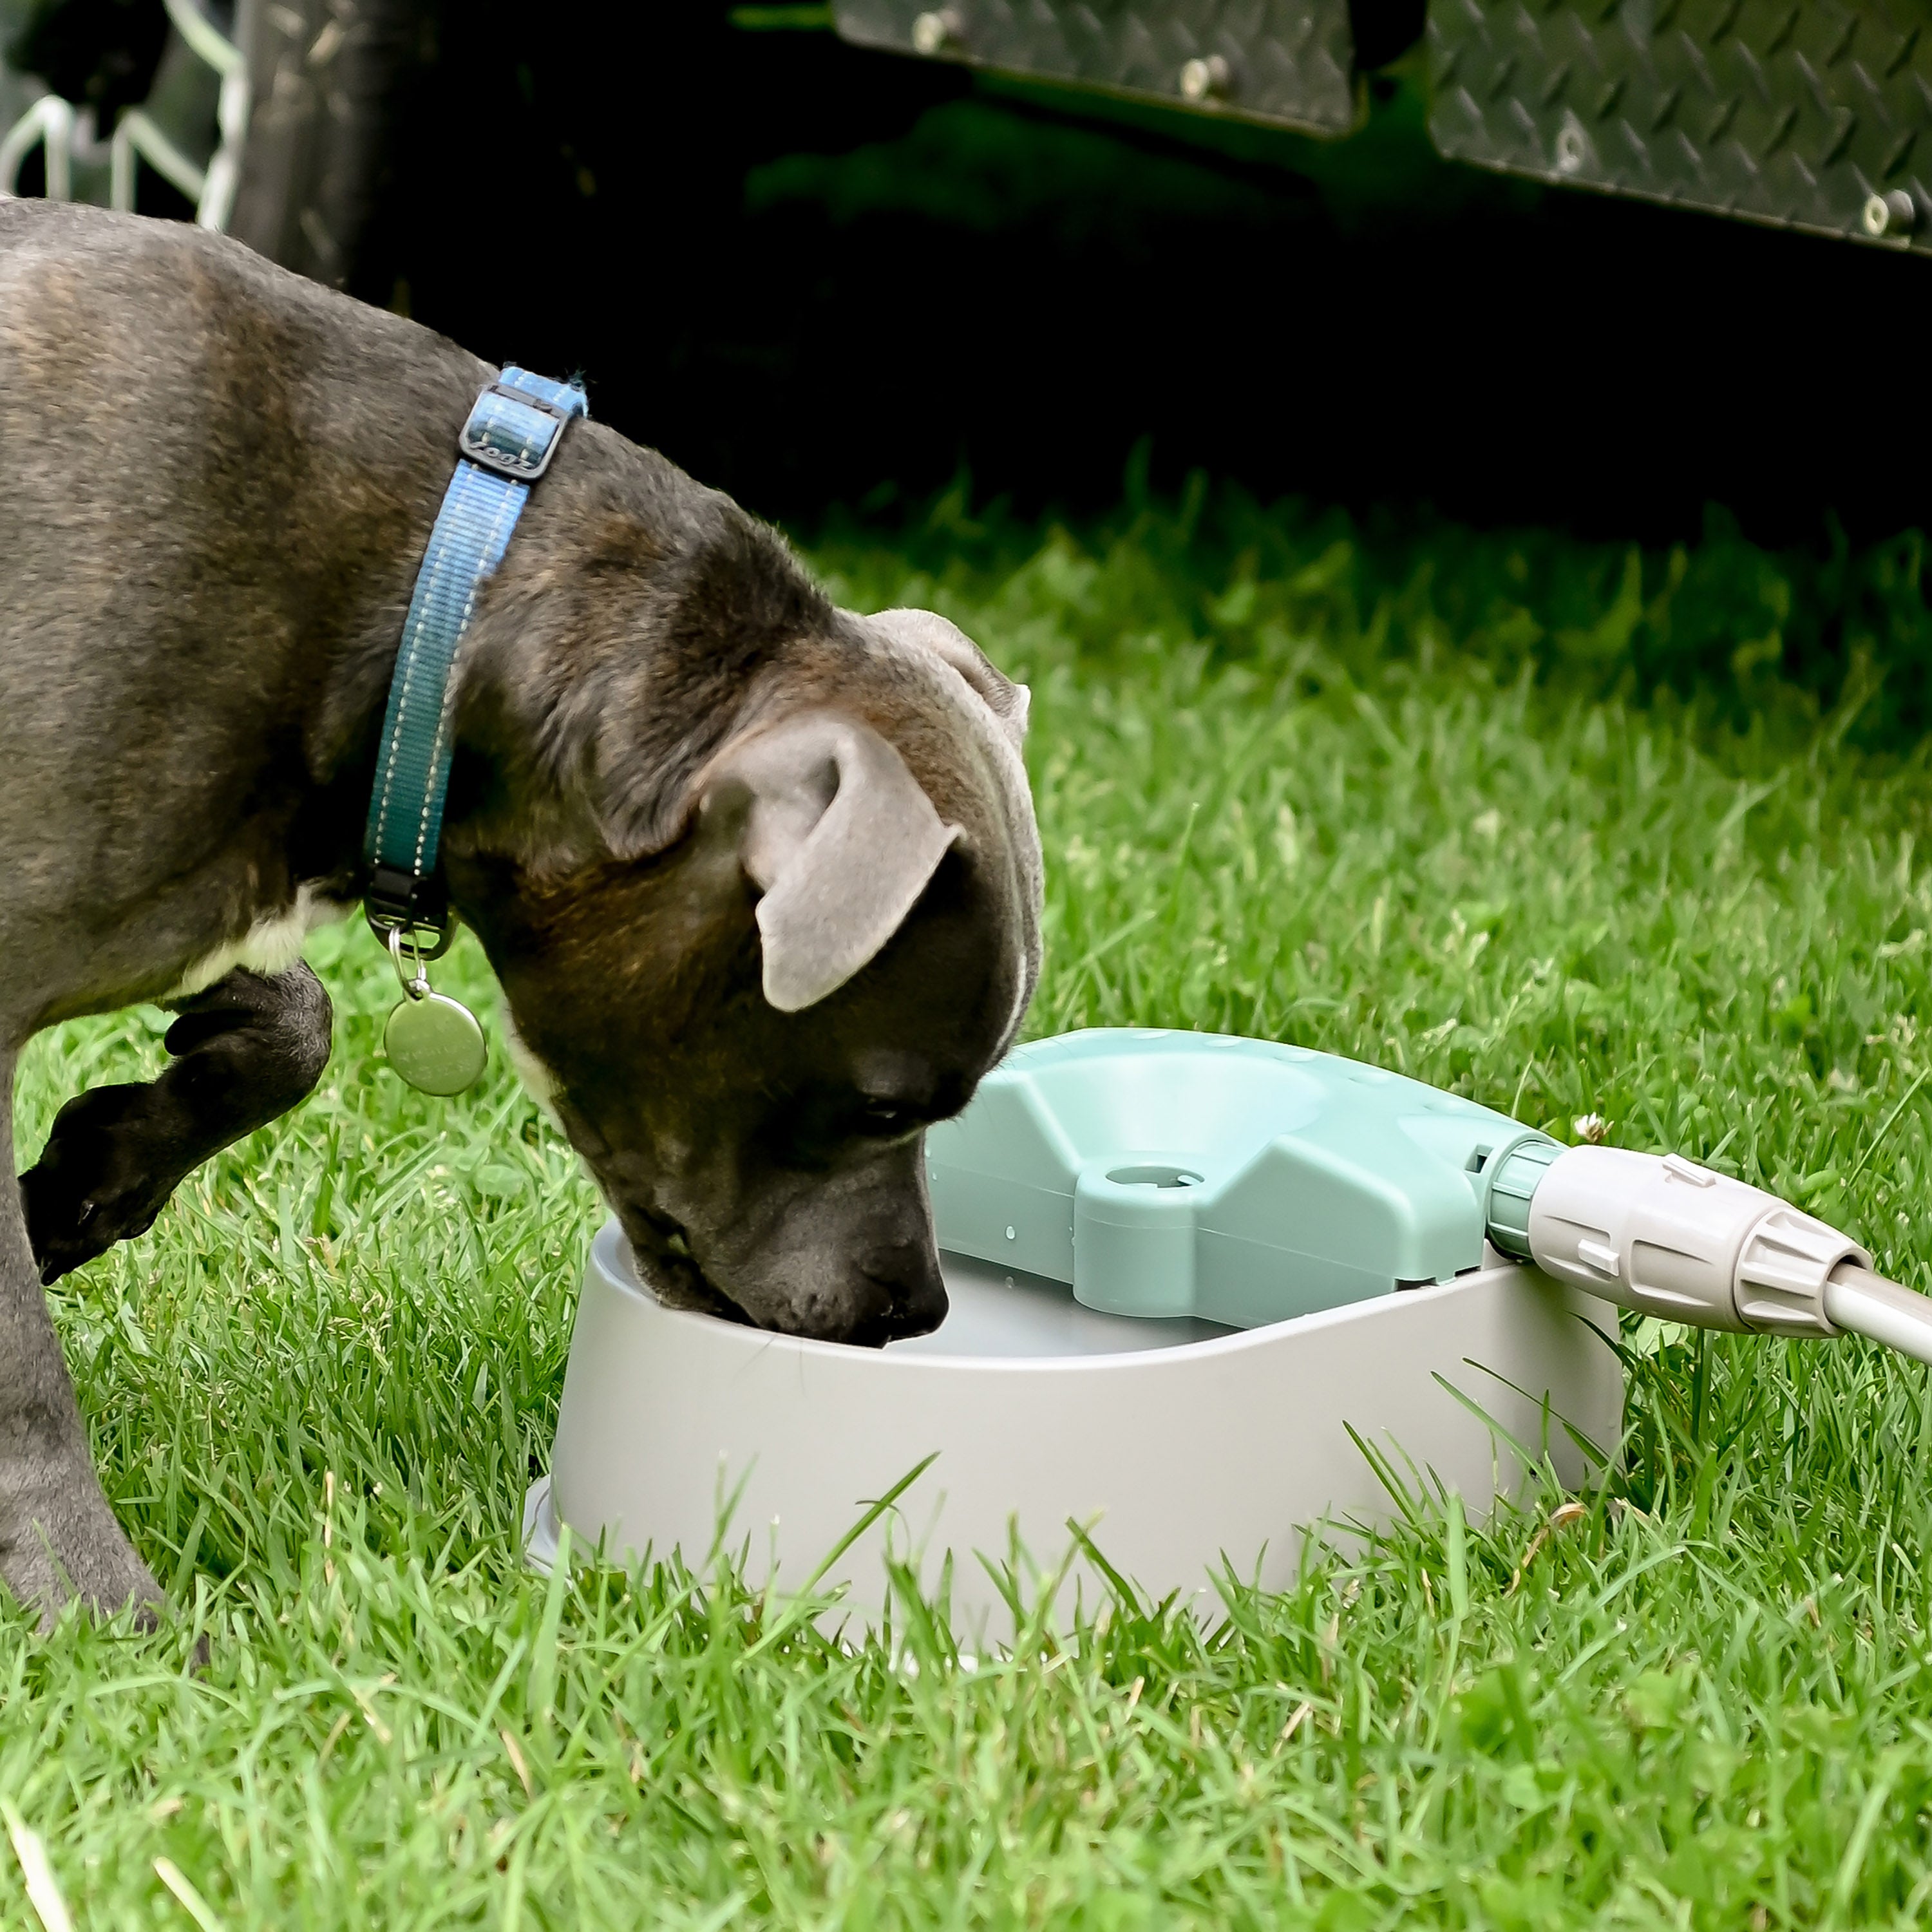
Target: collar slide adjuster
515 431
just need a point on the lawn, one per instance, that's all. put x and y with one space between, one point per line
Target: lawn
1457 805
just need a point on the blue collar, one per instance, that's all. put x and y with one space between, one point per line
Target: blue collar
506 444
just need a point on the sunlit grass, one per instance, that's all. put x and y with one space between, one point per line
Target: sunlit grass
320 1386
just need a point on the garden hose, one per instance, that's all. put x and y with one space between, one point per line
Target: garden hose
1661 1234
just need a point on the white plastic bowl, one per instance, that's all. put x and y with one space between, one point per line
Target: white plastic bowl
1181 1445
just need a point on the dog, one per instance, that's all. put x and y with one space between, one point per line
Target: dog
759 878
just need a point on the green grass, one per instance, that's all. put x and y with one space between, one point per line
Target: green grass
1283 793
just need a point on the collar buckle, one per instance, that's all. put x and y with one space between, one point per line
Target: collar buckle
402 904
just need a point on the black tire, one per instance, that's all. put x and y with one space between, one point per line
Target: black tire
330 78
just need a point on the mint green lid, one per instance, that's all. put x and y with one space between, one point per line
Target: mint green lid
1237 1181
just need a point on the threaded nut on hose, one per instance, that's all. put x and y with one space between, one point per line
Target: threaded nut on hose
1513 1180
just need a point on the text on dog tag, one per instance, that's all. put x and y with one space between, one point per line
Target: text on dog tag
435 1043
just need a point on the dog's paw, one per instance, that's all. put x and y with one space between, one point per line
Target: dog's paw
58 1540
103 1176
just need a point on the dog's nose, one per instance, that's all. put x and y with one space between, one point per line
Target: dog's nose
916 1305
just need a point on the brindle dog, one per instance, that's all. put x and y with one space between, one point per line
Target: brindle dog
759 877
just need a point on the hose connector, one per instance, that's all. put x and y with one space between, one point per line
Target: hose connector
1674 1239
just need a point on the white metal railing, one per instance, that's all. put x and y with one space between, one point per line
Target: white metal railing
49 122
59 128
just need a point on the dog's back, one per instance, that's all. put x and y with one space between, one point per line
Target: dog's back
213 467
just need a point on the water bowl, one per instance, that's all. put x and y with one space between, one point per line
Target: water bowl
1206 1296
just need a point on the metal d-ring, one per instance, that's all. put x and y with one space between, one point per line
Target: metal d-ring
415 977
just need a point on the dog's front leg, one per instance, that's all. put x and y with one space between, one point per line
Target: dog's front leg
246 1050
58 1536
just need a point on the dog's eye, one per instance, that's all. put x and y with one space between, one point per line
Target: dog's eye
882 1120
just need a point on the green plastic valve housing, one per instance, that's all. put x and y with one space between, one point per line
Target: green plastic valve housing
1238 1181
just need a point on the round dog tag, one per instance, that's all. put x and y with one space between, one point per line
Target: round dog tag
435 1043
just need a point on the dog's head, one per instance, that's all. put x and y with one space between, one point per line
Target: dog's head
746 989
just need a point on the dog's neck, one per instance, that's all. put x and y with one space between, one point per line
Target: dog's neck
627 630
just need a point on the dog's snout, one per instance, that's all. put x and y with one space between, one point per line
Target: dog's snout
908 1272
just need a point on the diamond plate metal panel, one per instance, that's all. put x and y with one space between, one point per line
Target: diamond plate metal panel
1809 114
1287 62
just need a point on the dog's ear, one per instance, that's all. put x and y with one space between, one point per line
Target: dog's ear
840 838
1008 702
